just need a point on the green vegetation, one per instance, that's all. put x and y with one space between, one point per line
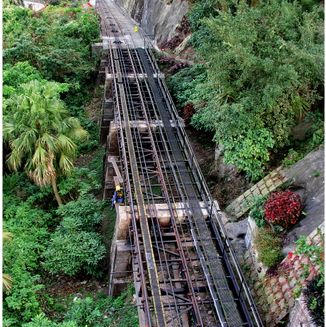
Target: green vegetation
315 252
269 246
100 311
75 246
314 292
63 241
315 300
56 42
48 78
264 75
41 136
257 211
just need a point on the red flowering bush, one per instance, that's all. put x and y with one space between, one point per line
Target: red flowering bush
283 208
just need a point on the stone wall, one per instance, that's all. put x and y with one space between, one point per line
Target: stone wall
299 316
275 293
158 18
265 186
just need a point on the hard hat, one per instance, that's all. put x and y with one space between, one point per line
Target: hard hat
118 188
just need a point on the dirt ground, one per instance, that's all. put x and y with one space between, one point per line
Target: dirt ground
93 108
224 181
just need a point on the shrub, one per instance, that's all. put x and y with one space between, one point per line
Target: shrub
314 298
72 253
283 208
184 85
22 303
269 246
104 311
21 255
97 311
42 321
257 211
291 158
83 214
80 182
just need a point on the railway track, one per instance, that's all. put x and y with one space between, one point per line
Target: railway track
185 270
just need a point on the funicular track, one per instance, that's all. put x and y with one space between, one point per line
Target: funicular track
185 271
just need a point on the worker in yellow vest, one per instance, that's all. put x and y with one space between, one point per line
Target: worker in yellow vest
136 29
117 196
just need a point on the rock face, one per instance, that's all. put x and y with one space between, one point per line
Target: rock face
158 18
308 174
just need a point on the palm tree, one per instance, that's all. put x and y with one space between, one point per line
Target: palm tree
6 279
41 134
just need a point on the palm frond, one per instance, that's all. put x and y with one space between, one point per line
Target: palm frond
48 142
65 164
40 156
7 236
24 142
7 281
41 168
66 145
42 174
14 160
8 130
80 134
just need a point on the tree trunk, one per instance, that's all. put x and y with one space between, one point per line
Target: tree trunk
55 191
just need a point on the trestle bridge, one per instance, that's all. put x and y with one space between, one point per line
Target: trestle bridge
169 231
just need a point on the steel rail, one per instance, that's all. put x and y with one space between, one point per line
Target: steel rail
130 195
143 164
145 231
167 197
134 71
218 230
193 224
202 183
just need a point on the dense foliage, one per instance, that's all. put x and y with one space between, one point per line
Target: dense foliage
56 42
48 77
29 226
314 295
269 246
100 311
264 67
75 246
257 211
41 135
283 208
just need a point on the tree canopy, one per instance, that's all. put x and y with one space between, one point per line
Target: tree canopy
264 66
41 134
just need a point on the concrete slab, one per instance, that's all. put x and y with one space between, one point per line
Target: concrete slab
159 210
308 176
141 125
126 24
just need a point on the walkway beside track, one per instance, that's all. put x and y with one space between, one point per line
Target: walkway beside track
185 270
